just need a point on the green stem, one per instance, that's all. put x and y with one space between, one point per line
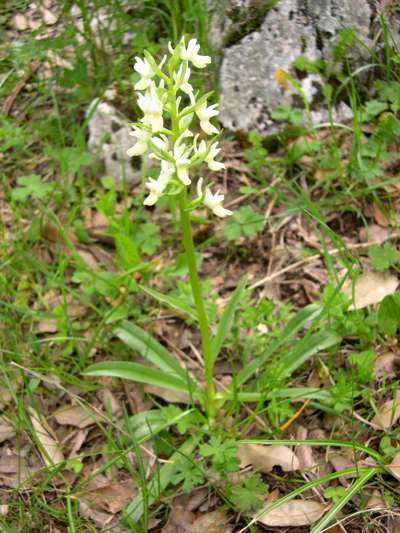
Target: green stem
199 302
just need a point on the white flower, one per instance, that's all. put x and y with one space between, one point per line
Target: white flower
181 78
212 201
143 67
152 108
181 156
191 54
214 165
161 143
205 113
141 145
158 186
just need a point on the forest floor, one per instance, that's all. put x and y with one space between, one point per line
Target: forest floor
315 232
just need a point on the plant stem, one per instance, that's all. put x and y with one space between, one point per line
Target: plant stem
199 302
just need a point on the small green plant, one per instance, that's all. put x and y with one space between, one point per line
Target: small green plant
244 222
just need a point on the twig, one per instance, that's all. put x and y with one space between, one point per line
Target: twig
9 101
312 258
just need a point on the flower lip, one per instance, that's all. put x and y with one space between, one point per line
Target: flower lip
190 53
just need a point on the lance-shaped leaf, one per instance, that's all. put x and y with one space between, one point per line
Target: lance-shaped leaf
226 319
137 372
149 348
172 302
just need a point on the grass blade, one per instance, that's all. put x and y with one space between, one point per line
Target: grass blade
137 372
305 349
353 489
159 481
226 319
297 322
310 485
172 302
141 341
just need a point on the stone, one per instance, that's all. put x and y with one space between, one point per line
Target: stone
109 140
252 78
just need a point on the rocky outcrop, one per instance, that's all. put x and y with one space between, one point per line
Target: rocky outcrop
109 140
252 75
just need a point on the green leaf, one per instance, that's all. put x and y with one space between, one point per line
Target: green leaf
244 222
383 257
226 320
128 254
245 496
31 186
137 372
350 492
189 474
145 344
389 314
172 302
307 347
306 314
159 482
146 424
304 64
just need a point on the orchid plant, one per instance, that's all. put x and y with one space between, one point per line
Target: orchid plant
170 106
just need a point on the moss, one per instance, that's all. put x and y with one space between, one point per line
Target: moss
245 20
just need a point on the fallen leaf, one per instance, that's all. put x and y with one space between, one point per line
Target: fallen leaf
4 509
388 413
47 325
295 513
374 233
53 454
179 520
214 522
48 17
264 458
7 431
170 396
19 22
99 518
380 216
111 497
385 364
74 415
304 453
376 501
371 288
394 466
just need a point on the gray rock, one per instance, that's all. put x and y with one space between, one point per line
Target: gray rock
109 140
250 90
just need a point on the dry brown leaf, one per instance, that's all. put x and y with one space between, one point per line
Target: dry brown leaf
375 501
179 520
4 509
19 22
264 458
304 453
380 217
47 325
111 497
170 396
74 415
99 518
385 364
7 431
374 233
388 413
214 522
371 288
53 454
394 466
295 513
